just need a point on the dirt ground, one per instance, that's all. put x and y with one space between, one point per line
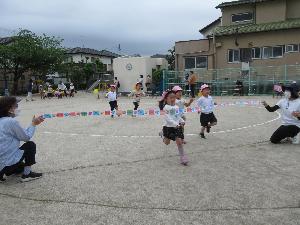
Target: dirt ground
99 170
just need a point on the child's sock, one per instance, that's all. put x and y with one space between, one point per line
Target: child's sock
181 150
27 170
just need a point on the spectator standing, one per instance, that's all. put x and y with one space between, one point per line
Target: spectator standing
192 82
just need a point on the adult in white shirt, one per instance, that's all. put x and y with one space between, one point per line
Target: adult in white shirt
290 114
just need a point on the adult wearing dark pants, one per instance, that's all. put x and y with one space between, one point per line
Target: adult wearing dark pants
13 158
290 113
192 83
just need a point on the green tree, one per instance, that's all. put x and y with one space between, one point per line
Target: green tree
171 58
30 53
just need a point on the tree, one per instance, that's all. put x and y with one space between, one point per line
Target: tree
30 53
171 58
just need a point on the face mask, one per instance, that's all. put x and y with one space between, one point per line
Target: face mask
287 94
15 113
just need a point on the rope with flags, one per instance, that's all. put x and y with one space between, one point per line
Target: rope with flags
143 112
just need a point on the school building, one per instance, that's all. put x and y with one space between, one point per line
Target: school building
261 32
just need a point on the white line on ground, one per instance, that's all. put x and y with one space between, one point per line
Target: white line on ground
156 136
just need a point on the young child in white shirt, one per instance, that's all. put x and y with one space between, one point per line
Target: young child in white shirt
173 124
137 93
181 103
207 105
112 99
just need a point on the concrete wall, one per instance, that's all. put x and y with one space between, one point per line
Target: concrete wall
193 48
293 9
259 40
140 66
228 11
271 11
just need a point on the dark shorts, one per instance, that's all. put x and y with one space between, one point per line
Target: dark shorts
172 133
113 105
205 119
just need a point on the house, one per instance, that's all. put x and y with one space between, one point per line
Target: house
262 32
88 55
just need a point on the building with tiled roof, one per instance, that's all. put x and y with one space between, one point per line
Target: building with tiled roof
88 55
262 32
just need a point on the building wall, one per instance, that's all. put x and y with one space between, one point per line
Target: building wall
193 48
77 58
293 9
228 11
274 11
259 40
140 66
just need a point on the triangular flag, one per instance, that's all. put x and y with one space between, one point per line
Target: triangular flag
83 113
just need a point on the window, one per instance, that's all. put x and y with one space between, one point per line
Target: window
233 56
292 48
196 62
273 52
190 63
267 52
242 17
201 62
278 51
256 53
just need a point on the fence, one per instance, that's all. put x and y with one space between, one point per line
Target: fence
256 81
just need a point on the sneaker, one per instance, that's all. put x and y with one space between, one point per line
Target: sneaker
296 140
202 135
208 129
31 176
184 160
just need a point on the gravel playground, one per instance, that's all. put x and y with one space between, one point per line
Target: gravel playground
99 170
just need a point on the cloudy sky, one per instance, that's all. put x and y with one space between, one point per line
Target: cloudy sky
140 26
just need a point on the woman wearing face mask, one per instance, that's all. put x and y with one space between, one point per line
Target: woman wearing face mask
13 158
290 114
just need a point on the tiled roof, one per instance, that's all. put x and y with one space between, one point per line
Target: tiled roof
240 2
90 51
210 25
254 28
159 56
5 40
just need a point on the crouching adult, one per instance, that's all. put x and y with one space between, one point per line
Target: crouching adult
290 114
13 158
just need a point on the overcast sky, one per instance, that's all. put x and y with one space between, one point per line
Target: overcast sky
140 26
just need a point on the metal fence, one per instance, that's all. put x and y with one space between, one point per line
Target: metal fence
256 81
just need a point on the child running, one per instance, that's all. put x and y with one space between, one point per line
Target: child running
172 129
206 104
112 99
181 103
137 93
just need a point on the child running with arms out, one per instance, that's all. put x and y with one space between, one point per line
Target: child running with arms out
172 129
137 93
207 105
112 100
181 103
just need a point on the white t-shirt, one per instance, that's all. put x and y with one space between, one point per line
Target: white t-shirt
172 118
180 103
206 104
287 108
111 96
137 95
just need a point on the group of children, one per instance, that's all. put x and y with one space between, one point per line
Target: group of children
60 92
173 106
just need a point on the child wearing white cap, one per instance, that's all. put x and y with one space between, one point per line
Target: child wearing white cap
112 99
181 103
137 93
207 105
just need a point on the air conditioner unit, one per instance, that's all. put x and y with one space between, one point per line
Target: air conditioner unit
218 44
